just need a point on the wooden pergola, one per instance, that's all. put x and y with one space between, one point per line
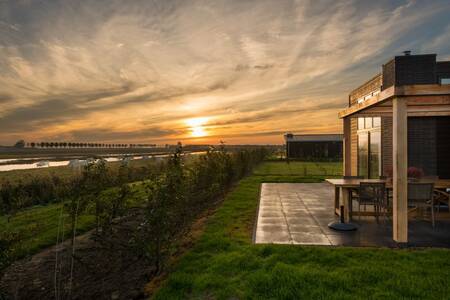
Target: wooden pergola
400 102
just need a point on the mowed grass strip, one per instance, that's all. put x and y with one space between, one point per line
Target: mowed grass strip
224 264
36 228
298 168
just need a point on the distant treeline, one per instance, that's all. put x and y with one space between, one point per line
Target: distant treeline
83 145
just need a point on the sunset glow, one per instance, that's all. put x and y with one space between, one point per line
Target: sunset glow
196 127
135 71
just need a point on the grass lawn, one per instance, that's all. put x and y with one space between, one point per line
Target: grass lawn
224 264
297 168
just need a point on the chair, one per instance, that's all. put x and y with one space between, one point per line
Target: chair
353 194
420 195
373 194
441 197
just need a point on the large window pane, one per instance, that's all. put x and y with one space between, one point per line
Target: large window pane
360 123
363 153
368 123
377 122
374 152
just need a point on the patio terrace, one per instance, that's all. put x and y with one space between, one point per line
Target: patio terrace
299 213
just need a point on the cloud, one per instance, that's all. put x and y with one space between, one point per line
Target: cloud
73 68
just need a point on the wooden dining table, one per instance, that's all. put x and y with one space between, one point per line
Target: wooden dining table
344 186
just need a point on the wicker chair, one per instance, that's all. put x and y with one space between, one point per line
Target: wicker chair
420 195
373 194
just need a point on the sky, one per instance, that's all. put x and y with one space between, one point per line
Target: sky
162 71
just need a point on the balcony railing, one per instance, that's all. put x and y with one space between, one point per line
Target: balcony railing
366 91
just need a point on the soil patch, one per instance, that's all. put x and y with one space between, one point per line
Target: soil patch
104 267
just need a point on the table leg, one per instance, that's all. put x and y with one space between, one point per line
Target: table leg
346 202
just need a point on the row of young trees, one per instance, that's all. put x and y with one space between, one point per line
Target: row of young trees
176 197
82 145
174 194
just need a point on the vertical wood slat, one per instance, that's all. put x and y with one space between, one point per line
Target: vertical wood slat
400 178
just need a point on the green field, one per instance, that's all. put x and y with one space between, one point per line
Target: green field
224 264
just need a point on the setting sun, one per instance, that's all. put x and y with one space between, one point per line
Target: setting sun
196 127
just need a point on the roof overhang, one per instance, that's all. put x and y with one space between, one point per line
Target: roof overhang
399 91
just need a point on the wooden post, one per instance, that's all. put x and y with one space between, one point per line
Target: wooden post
400 172
346 147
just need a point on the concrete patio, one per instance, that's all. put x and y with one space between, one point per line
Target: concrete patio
298 213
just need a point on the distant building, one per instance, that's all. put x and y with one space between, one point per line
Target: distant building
314 146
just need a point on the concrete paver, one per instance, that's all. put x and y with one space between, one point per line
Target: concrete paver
299 213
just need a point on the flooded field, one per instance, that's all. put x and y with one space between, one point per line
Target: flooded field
9 164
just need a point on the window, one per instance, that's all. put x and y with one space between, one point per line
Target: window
369 147
445 80
375 154
360 123
376 122
363 154
369 123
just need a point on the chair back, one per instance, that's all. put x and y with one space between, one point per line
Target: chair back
371 191
420 191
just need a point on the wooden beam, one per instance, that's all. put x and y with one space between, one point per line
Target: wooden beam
422 89
383 96
416 92
429 100
400 178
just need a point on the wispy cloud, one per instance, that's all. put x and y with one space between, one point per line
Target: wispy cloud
134 71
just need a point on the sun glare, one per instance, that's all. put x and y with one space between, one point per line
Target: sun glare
196 126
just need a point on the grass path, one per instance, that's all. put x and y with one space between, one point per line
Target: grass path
224 264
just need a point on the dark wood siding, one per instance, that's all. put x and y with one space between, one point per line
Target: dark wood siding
415 69
429 145
443 69
386 145
422 144
354 146
443 146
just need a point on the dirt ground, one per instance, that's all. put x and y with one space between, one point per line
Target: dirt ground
104 266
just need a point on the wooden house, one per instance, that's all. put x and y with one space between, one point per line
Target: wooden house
400 118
